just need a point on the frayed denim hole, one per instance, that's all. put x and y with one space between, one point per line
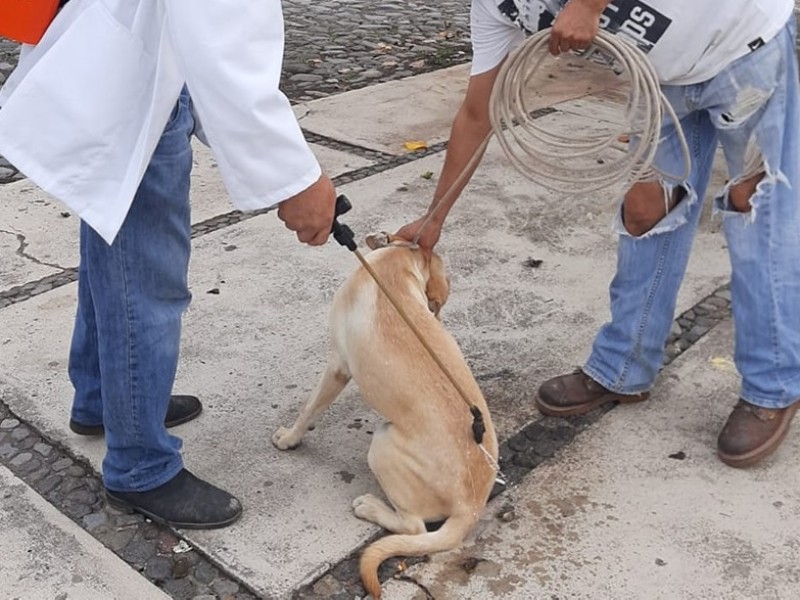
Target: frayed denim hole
674 219
722 202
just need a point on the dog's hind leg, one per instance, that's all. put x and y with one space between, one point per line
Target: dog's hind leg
392 474
373 509
333 381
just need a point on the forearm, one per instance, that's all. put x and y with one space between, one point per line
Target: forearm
470 128
466 137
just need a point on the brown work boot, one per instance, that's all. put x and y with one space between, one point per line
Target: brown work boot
752 433
577 394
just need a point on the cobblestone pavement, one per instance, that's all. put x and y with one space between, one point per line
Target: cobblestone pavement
332 46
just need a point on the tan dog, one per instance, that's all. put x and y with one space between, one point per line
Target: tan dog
425 456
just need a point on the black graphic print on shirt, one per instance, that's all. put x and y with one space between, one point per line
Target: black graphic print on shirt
633 18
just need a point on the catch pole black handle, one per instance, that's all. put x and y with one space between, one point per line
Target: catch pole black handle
341 232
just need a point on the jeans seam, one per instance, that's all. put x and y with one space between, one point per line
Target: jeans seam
135 425
645 315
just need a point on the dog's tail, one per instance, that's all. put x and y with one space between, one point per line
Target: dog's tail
447 537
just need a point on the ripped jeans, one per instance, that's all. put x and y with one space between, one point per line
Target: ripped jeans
751 109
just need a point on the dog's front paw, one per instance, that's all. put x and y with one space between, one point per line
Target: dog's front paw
285 439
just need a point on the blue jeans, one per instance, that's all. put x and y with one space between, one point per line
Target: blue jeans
131 296
751 110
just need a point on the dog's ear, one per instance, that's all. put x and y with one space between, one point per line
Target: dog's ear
383 239
377 240
437 288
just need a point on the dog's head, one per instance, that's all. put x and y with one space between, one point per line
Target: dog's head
437 285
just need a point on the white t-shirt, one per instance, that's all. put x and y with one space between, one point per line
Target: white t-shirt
688 41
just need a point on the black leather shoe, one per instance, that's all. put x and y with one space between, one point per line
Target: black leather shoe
181 409
185 501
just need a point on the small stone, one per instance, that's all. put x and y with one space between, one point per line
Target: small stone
158 568
167 541
82 497
95 521
43 449
129 520
8 423
28 443
327 587
150 531
696 332
724 294
660 562
179 588
119 539
306 78
205 573
205 597
21 459
70 483
545 447
224 588
7 451
675 329
30 466
62 464
527 459
717 301
76 471
181 567
77 511
20 433
138 552
48 484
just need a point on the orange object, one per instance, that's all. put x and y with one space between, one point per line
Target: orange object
26 20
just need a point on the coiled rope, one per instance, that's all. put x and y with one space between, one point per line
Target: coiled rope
558 162
576 163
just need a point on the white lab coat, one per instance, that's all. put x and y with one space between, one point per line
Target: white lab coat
83 111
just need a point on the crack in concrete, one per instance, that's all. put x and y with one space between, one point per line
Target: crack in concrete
409 579
23 243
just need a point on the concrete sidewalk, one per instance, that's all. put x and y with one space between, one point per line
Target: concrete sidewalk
590 523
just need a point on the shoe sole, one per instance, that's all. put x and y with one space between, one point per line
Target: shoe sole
748 459
127 507
95 430
581 409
